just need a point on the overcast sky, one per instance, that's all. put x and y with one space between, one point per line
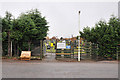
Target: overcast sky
63 16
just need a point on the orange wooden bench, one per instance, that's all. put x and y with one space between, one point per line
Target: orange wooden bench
25 55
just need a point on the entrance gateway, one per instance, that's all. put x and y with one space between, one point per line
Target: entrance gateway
62 50
67 48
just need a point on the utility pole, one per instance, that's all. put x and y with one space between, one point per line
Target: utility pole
79 57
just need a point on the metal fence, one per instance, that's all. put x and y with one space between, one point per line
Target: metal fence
88 50
37 48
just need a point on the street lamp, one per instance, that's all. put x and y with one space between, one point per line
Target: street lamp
79 57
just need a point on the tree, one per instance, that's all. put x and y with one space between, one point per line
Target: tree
114 23
16 36
33 26
40 23
61 38
54 38
0 29
106 35
6 29
28 28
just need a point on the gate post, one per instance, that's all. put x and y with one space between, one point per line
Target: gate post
72 48
41 51
118 52
90 50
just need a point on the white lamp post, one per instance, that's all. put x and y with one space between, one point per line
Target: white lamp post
79 57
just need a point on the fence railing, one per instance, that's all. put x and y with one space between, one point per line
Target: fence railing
88 50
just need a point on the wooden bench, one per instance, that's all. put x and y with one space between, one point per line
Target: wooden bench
25 55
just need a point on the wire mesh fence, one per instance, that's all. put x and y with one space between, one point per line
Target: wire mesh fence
37 48
88 50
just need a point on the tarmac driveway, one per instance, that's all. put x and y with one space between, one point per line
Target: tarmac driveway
54 69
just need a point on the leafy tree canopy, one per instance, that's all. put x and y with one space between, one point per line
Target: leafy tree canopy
106 34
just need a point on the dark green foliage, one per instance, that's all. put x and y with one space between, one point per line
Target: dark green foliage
106 35
24 31
6 32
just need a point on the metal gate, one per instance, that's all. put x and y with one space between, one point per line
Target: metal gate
88 50
65 52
